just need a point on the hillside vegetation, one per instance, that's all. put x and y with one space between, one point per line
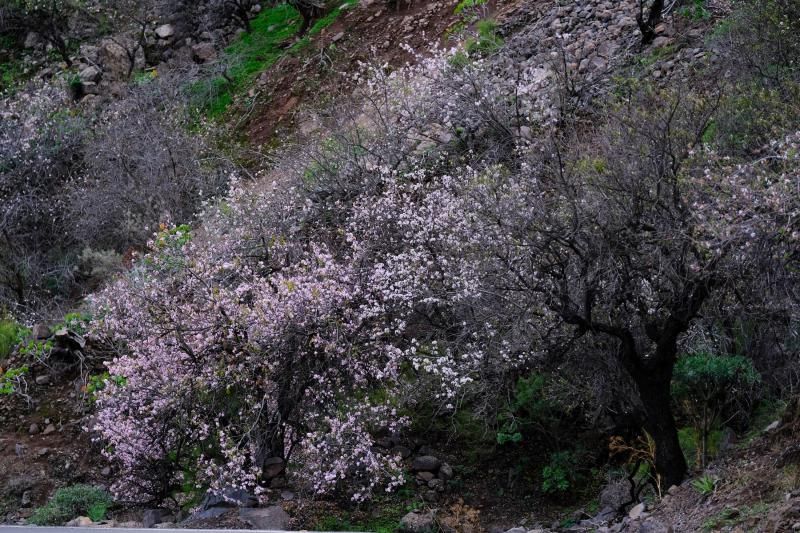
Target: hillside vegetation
263 257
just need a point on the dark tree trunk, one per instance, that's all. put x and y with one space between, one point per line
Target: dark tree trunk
654 391
648 26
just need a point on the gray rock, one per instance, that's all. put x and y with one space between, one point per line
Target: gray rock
517 530
165 31
34 429
615 494
273 517
42 379
151 517
204 52
773 426
425 476
26 499
636 512
446 472
652 525
273 467
426 463
40 332
213 512
32 40
81 521
49 429
436 484
402 451
229 497
415 522
90 73
287 495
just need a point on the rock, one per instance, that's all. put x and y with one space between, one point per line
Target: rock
615 494
130 525
773 426
151 517
673 490
273 467
90 73
436 484
106 471
40 332
446 472
165 31
49 429
517 530
652 525
416 522
426 463
230 497
42 379
81 521
425 476
204 52
636 512
34 429
402 451
115 62
213 512
660 42
273 517
287 495
32 40
338 37
165 525
430 496
69 339
26 499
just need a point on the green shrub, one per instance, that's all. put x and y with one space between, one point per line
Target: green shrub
560 474
487 40
708 386
11 378
70 502
10 333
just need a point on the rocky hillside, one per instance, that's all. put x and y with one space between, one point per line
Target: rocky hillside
503 266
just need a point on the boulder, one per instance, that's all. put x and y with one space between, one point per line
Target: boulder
81 521
204 52
445 472
230 497
273 517
41 332
165 31
416 522
273 467
151 517
637 511
426 463
114 60
90 74
615 494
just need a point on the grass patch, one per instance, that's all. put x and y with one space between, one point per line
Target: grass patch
11 334
253 53
70 502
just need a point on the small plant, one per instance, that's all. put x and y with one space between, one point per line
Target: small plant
711 389
69 502
559 474
487 40
12 379
10 333
696 11
704 485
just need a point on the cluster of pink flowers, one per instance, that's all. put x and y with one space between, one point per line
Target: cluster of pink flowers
305 316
